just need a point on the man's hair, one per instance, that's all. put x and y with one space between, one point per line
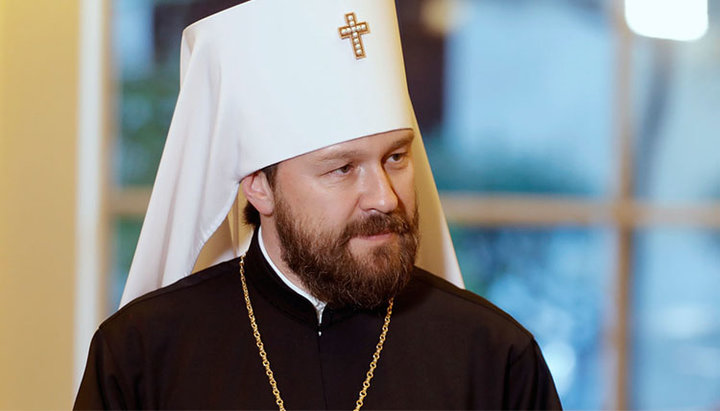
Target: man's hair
252 217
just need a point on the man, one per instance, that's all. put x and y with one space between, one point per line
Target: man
304 106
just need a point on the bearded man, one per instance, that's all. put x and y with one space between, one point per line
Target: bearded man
326 308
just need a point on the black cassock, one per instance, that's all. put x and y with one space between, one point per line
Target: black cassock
190 346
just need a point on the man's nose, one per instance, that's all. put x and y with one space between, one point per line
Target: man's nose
378 193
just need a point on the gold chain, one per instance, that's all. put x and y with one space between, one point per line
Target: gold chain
266 363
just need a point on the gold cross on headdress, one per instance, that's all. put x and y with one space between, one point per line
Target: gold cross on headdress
354 31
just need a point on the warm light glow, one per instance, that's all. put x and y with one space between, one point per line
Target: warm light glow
668 19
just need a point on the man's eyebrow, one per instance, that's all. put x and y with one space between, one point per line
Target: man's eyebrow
402 142
339 155
348 154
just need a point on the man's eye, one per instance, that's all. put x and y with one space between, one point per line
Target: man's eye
343 170
397 157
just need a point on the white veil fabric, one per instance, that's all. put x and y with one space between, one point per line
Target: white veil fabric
263 82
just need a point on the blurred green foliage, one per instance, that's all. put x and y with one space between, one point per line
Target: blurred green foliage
145 106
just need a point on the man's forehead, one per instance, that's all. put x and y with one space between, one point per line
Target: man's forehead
380 142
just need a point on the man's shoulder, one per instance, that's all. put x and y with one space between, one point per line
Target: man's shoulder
442 301
189 296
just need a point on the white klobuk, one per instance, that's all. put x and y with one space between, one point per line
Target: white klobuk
260 83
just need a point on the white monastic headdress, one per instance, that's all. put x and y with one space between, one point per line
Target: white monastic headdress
263 82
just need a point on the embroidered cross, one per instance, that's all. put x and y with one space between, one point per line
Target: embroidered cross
354 31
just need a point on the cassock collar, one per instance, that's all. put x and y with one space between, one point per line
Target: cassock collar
319 305
264 281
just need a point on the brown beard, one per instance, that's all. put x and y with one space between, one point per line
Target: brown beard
329 270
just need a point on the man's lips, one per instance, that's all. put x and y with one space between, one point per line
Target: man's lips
383 236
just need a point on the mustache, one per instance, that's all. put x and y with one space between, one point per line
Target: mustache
375 224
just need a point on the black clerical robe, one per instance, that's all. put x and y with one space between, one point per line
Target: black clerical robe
190 346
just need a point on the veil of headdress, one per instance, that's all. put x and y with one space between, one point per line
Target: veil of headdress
262 82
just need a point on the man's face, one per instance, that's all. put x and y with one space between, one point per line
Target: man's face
347 219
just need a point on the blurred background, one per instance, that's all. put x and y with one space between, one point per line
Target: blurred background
576 145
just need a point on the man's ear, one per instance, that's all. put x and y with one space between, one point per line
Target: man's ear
258 192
